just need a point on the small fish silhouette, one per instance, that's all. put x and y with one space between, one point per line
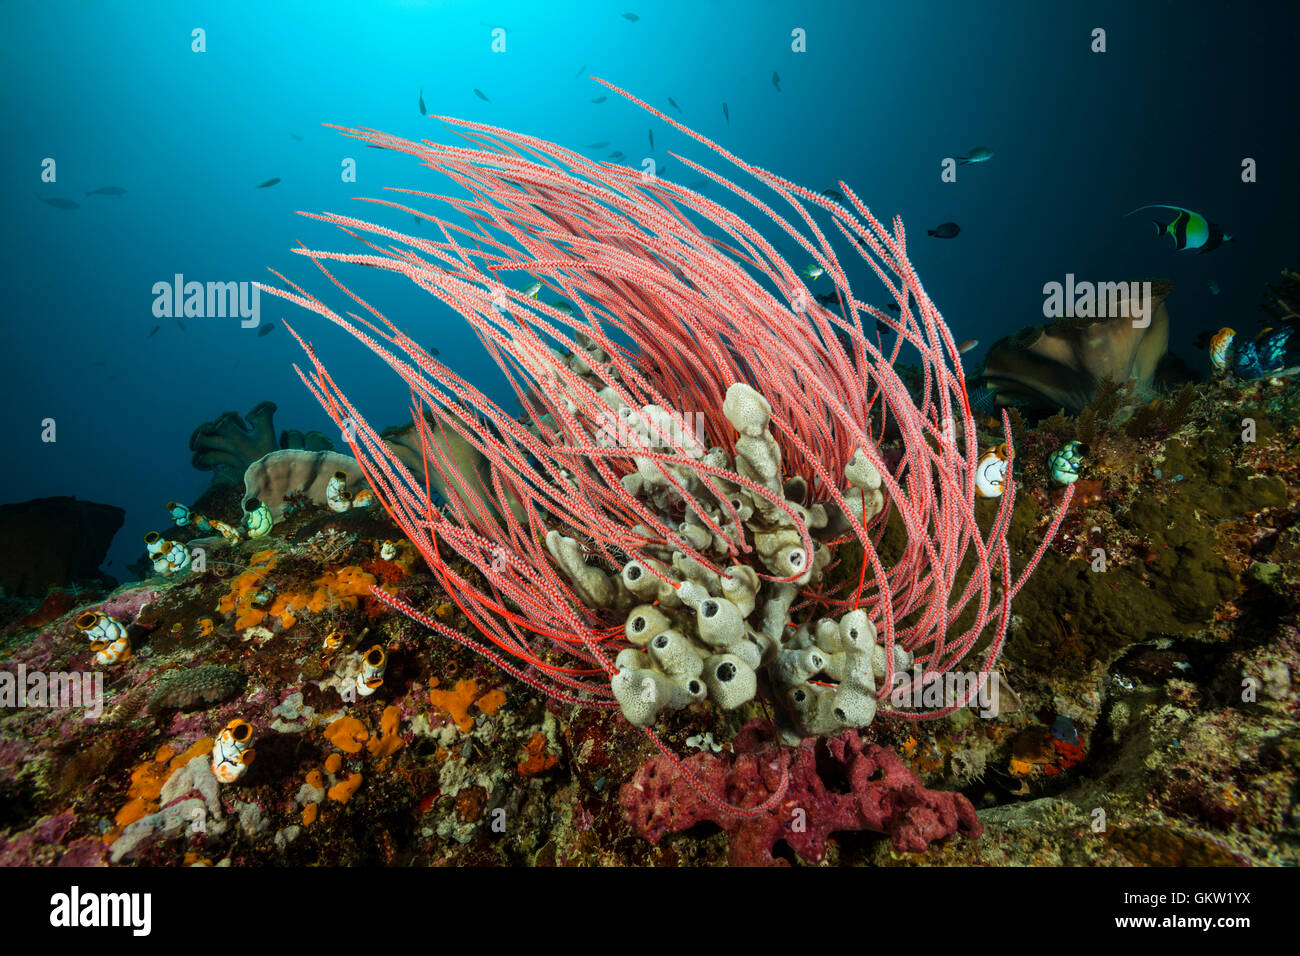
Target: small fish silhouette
980 154
423 112
107 191
581 71
60 203
776 81
945 230
269 182
631 17
652 139
153 331
265 330
295 137
181 324
600 99
673 103
481 95
726 113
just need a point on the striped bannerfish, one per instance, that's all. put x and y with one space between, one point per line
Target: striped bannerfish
1188 230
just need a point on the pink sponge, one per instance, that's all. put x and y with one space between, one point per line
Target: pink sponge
836 784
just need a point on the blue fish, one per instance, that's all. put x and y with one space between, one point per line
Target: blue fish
1063 729
980 154
1247 361
1272 348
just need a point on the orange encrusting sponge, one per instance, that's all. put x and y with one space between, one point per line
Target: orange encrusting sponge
457 702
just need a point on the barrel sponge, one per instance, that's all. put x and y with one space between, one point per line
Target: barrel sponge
747 410
759 457
902 660
807 702
853 707
691 593
640 581
857 632
278 474
644 622
861 473
696 535
719 622
643 693
740 586
796 666
826 635
675 655
730 680
594 586
782 552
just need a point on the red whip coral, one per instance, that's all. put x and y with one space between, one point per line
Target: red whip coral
700 437
883 796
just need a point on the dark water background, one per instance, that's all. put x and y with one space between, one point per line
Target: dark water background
113 93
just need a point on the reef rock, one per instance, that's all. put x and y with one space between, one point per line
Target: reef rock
54 541
882 795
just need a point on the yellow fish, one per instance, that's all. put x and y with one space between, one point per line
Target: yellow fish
1219 346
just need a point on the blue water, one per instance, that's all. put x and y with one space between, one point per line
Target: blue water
113 94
